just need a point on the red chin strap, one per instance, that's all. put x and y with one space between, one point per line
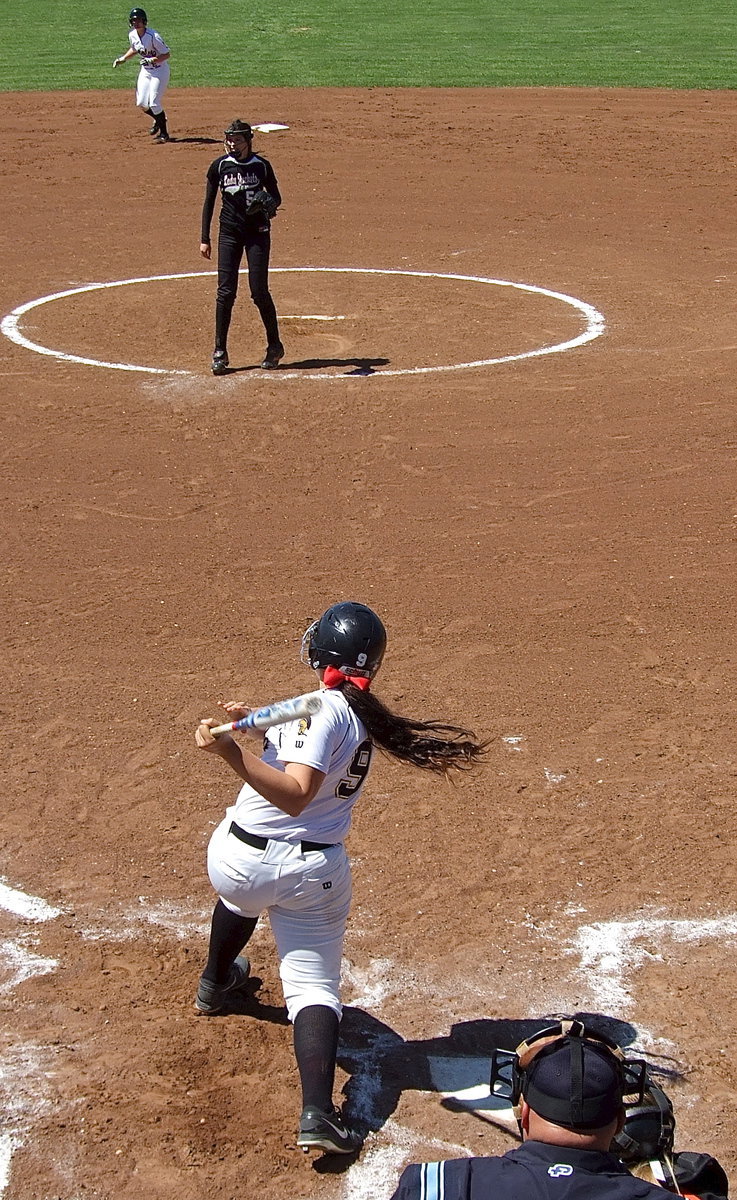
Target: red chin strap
333 679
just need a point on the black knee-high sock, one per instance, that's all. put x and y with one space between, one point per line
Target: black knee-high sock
316 1048
223 313
228 935
267 312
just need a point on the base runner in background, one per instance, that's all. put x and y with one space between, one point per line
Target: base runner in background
153 77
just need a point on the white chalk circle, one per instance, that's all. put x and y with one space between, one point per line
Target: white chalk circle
594 323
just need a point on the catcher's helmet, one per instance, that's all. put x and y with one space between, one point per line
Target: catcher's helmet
137 14
649 1128
569 1076
241 127
348 636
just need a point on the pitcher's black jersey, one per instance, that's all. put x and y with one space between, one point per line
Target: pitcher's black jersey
237 180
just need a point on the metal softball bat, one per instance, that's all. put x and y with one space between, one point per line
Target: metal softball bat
275 714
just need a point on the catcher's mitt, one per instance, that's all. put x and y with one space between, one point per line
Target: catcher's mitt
262 204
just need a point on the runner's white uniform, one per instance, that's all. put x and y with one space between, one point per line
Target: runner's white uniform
307 893
152 81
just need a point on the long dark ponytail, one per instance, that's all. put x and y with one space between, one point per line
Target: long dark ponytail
427 744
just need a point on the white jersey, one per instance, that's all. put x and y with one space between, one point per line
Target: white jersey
335 741
148 45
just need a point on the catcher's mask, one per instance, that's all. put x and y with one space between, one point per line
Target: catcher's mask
137 14
568 1076
649 1128
348 636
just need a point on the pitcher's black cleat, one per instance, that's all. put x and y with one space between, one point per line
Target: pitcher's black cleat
220 362
274 355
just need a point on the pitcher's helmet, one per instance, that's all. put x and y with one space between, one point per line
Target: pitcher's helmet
348 636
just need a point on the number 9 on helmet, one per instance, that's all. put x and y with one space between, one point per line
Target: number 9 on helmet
348 636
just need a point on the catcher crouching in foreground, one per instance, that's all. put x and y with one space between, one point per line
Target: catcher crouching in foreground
580 1107
280 848
250 200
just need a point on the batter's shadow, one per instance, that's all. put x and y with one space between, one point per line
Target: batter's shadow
246 1003
381 1064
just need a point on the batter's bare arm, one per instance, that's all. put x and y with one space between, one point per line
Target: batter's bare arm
291 790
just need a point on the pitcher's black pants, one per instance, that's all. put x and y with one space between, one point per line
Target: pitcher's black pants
231 247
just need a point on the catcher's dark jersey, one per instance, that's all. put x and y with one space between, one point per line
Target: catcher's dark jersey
237 181
532 1171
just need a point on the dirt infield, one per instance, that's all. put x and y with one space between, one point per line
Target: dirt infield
550 541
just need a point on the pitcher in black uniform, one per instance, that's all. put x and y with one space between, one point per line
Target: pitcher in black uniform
238 175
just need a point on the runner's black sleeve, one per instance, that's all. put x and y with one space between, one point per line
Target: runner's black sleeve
211 191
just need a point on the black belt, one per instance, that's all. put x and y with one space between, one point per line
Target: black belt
260 843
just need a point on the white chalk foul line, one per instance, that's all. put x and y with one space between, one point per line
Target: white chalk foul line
22 964
22 1067
33 908
375 1175
8 1145
609 953
594 322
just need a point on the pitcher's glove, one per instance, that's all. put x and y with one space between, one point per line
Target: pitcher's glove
262 203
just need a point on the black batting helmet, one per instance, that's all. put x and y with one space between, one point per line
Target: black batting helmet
241 127
137 14
348 636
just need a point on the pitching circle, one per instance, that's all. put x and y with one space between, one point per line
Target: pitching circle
594 323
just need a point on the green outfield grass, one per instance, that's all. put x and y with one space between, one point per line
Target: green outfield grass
52 44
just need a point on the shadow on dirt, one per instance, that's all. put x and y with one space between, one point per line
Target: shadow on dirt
195 141
246 1003
361 366
382 1065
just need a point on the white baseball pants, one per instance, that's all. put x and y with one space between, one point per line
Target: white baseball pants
150 87
307 897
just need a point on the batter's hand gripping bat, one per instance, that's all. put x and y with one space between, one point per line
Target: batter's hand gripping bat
275 714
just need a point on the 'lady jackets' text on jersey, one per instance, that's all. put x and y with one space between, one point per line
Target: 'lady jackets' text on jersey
237 180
